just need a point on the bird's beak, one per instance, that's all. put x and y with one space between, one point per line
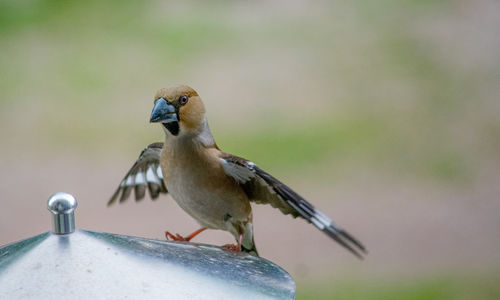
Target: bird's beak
163 112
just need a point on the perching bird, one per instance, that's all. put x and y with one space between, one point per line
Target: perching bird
214 187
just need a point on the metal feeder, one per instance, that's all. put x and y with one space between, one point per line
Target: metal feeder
81 264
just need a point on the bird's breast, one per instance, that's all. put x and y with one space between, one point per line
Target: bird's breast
205 192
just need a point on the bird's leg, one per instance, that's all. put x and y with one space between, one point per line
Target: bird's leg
179 238
234 248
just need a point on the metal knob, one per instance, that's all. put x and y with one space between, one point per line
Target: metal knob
62 207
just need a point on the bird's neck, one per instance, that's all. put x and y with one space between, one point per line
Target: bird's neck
195 140
205 136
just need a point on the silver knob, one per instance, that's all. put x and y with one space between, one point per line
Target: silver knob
62 207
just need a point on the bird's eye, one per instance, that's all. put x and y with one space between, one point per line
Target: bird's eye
183 99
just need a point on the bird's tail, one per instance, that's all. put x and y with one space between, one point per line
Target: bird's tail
248 242
251 249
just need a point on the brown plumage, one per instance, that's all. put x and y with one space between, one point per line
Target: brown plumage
214 187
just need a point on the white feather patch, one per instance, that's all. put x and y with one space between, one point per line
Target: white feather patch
159 172
322 218
317 223
139 178
129 181
150 176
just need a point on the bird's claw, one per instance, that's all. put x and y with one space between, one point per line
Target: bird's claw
232 248
177 237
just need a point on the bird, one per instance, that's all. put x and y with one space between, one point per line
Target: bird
213 187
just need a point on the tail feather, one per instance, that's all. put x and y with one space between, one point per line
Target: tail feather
247 240
250 249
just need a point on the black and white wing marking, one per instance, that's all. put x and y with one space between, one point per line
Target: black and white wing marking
145 173
263 188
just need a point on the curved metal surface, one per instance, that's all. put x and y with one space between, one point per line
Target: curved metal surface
87 264
62 207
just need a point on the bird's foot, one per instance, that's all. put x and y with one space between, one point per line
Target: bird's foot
177 237
232 248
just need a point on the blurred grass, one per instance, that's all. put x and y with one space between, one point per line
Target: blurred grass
451 287
343 142
399 105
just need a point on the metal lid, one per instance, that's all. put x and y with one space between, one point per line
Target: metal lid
81 264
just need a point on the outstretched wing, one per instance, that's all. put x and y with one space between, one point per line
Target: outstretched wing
145 174
263 188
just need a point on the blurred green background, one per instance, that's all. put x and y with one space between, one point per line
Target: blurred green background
383 114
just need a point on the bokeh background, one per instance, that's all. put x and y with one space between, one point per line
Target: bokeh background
384 114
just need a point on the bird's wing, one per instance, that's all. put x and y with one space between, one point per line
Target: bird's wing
263 188
145 174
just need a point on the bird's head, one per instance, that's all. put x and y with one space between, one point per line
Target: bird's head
179 109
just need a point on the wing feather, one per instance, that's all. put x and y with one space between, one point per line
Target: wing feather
145 174
262 188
